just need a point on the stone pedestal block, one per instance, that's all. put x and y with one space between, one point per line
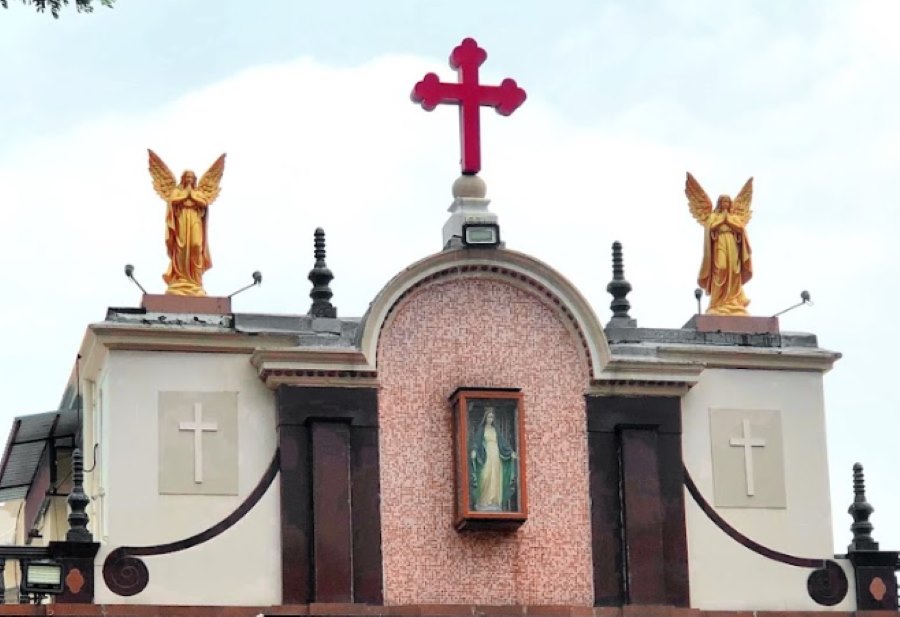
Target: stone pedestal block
204 305
742 324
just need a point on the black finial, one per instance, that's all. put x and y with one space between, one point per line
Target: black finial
78 502
861 510
619 288
320 276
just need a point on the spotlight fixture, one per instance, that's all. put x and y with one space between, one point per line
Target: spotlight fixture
481 235
42 577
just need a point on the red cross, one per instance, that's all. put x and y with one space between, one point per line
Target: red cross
470 96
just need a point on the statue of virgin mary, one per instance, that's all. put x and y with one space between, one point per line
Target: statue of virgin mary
493 463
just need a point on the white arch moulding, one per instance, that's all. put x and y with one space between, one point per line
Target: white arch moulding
511 267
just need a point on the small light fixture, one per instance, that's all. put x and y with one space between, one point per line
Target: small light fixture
43 576
481 234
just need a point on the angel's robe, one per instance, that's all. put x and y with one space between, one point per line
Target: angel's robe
727 264
186 241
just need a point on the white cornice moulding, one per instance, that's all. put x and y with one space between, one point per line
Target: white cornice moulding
137 338
762 358
631 376
313 366
504 264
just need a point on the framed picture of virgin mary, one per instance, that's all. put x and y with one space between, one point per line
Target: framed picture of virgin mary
491 491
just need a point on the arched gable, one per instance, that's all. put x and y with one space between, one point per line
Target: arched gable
509 266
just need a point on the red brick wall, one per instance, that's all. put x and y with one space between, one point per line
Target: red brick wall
481 332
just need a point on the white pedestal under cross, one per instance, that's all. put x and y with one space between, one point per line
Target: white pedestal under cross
198 427
747 442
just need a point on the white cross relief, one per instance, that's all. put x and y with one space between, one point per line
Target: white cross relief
747 442
198 426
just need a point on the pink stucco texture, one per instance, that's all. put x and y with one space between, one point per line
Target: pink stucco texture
481 332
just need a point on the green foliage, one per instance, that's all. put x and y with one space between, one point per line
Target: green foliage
82 6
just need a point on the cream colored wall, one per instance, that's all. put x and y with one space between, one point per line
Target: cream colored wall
91 438
724 574
54 523
241 566
10 534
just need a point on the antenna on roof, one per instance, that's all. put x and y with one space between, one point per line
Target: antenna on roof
257 280
129 272
804 299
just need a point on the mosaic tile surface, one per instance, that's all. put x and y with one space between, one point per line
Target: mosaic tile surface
481 332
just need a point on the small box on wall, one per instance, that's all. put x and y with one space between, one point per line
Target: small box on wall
489 455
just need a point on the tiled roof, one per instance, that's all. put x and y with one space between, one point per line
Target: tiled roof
27 441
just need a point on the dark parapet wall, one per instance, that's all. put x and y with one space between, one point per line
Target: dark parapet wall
637 500
330 516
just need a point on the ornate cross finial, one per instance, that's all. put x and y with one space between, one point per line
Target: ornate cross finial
320 276
78 502
618 287
861 510
470 96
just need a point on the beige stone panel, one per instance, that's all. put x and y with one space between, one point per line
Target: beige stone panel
198 458
747 455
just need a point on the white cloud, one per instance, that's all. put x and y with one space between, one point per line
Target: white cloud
315 145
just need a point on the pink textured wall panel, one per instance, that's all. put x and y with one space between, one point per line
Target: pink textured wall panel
481 332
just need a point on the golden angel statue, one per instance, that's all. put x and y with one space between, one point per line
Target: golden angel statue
186 215
727 263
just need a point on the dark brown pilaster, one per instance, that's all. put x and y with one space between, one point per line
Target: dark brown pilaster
296 513
606 523
366 499
643 517
876 581
330 486
332 546
77 559
637 496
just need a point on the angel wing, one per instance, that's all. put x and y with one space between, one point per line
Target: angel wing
163 178
741 204
209 183
698 200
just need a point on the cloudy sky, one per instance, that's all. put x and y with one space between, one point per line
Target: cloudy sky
311 102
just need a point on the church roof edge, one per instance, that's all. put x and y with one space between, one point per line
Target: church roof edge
619 336
305 330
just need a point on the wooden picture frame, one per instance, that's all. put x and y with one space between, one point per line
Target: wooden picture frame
489 459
